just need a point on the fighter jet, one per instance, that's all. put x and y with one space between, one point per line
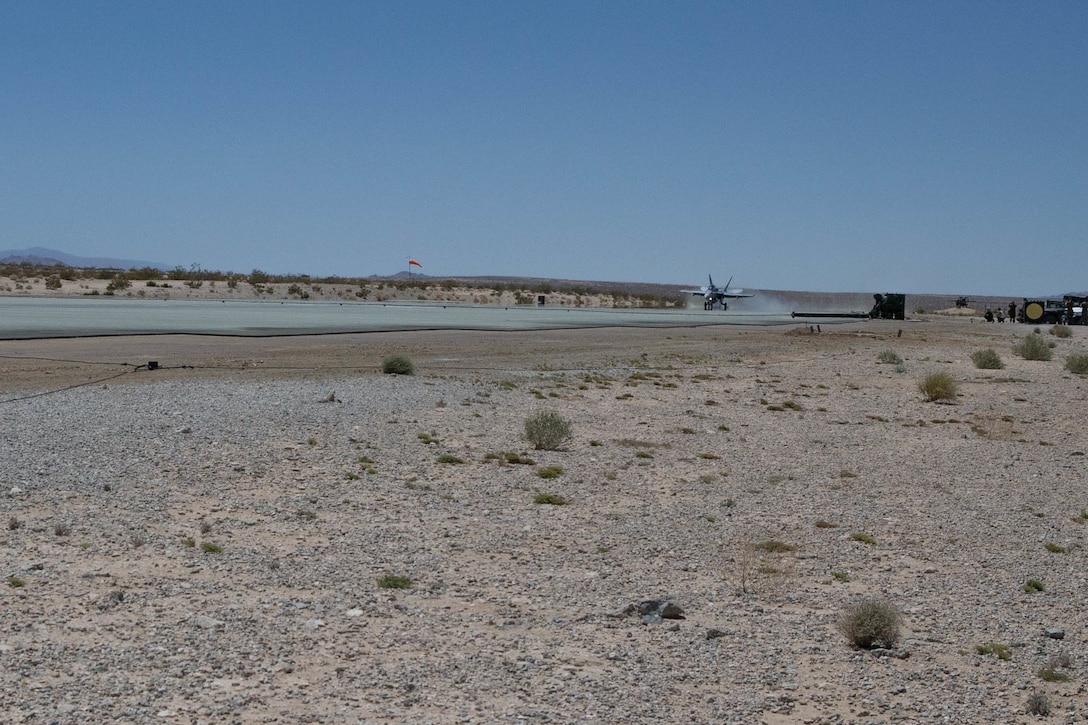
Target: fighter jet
713 295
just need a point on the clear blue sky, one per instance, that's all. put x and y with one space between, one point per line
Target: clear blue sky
841 146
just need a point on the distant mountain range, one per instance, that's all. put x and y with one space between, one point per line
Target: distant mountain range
43 256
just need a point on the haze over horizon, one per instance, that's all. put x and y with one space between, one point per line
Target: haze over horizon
924 148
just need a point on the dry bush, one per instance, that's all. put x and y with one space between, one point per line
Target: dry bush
939 386
871 623
1033 347
987 360
1077 364
398 365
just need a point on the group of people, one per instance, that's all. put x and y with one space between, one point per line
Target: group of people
990 315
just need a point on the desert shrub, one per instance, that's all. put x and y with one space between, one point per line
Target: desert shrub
1061 331
889 357
398 365
1033 347
1038 704
938 386
871 622
1034 585
1077 364
1051 675
550 498
547 431
209 548
395 581
550 471
774 546
1001 651
449 458
987 359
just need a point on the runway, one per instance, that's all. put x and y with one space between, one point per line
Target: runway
28 318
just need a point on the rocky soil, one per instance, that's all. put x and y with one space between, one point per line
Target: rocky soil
214 541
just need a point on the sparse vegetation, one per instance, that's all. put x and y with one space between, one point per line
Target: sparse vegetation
871 623
987 360
398 365
14 523
394 581
1054 548
1077 364
1038 704
547 431
1001 651
1061 331
939 386
1050 675
209 548
774 546
1034 585
889 357
549 471
1033 347
553 499
449 458
15 582
863 538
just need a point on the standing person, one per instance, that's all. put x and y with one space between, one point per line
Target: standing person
1012 312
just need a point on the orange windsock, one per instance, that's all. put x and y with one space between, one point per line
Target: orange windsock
412 261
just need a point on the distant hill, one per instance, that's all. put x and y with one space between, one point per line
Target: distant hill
51 257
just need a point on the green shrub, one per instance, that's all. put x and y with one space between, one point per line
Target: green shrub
987 360
1033 347
774 546
939 386
1034 585
449 458
1001 651
398 365
1049 675
209 548
871 623
395 581
1061 331
547 431
889 357
1077 364
550 498
549 471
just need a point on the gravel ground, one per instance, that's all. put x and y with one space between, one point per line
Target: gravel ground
206 544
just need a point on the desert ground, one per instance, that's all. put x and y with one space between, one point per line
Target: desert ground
215 540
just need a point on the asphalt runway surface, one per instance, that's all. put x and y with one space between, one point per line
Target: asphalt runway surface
44 318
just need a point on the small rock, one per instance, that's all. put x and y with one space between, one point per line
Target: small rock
1055 633
314 623
714 633
655 610
205 622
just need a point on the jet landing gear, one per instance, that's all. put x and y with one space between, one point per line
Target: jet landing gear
711 304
